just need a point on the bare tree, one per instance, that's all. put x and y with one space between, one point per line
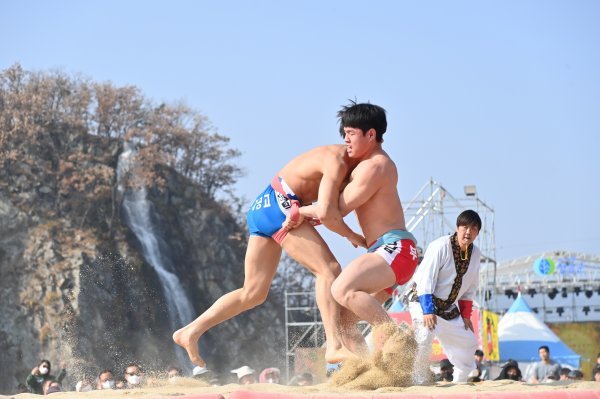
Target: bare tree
63 128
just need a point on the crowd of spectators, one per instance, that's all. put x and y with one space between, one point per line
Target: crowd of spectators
41 380
544 371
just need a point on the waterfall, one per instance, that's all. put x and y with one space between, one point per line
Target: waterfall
137 210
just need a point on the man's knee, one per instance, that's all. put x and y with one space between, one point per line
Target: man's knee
340 293
327 270
253 297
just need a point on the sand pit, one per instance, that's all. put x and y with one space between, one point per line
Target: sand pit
368 378
191 389
389 366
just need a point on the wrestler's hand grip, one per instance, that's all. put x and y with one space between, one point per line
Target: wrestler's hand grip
295 211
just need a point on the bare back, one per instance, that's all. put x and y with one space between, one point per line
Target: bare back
373 194
304 173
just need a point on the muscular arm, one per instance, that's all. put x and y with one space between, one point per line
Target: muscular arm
362 187
326 209
366 180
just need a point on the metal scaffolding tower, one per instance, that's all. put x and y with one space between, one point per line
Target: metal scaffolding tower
430 214
303 325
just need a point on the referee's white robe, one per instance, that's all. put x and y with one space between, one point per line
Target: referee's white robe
435 275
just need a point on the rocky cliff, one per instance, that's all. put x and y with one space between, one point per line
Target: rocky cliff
85 295
74 285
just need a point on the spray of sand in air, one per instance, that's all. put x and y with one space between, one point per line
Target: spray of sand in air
390 366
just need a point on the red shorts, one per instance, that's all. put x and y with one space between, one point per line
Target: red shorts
402 256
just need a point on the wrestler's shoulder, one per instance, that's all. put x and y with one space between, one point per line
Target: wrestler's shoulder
333 152
337 152
378 164
330 154
333 149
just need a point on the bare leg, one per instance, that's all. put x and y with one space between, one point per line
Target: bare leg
262 257
306 246
351 335
368 274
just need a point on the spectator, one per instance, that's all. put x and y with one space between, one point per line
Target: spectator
510 371
173 372
596 373
42 373
446 371
564 373
215 381
480 366
474 376
203 374
106 380
302 380
51 386
245 375
270 375
133 376
576 375
551 377
545 367
84 385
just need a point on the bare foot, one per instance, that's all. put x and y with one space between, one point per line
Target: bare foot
190 343
333 356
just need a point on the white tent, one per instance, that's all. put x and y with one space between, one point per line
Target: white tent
521 333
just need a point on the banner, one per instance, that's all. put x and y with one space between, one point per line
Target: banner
583 338
489 338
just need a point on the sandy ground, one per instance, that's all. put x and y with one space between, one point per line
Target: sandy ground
186 386
377 374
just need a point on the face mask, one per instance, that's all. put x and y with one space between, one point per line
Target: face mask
270 381
43 370
110 384
134 379
86 388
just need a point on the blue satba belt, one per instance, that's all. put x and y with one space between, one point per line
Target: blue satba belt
391 237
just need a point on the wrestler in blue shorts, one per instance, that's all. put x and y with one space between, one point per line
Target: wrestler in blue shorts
269 210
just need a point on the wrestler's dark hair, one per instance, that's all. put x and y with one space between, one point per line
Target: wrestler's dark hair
363 116
469 218
544 347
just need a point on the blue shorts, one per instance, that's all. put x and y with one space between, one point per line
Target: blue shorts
268 212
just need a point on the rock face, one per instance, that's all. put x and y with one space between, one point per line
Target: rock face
77 289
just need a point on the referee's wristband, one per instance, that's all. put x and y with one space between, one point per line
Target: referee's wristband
426 301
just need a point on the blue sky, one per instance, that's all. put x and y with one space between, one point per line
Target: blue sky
503 95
